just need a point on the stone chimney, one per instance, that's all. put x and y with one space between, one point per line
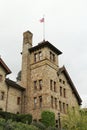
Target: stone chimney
27 38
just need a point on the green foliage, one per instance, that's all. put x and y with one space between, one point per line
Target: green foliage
7 115
10 125
40 125
48 118
75 120
52 128
24 118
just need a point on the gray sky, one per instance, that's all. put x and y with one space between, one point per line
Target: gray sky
65 28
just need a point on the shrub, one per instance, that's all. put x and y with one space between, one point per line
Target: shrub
48 118
52 128
40 125
24 118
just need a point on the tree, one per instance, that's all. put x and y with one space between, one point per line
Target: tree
75 120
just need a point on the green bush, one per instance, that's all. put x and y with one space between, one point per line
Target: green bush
24 118
40 125
48 118
52 128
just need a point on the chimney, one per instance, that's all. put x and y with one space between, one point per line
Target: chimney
27 37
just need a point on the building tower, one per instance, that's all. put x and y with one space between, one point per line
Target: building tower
48 87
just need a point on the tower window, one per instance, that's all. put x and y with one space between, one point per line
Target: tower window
35 57
52 57
40 55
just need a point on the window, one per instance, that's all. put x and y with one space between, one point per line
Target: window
52 57
52 101
35 102
18 100
2 95
35 85
35 57
40 101
60 91
64 108
63 82
60 106
40 84
0 77
51 84
67 107
54 86
60 80
55 103
64 92
40 55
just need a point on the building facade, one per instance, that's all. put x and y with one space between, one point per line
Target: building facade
41 84
48 87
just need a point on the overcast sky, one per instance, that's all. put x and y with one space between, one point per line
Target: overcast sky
65 28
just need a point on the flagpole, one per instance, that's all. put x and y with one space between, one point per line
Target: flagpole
43 29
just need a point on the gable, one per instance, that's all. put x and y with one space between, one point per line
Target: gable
4 66
62 71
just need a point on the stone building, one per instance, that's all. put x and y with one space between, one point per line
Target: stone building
41 83
10 92
48 87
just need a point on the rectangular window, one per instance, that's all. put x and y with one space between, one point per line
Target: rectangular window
54 86
64 108
35 57
51 84
0 77
67 107
2 95
60 91
40 84
63 82
40 101
60 80
18 100
60 106
55 103
52 101
64 92
53 57
40 55
35 85
35 102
